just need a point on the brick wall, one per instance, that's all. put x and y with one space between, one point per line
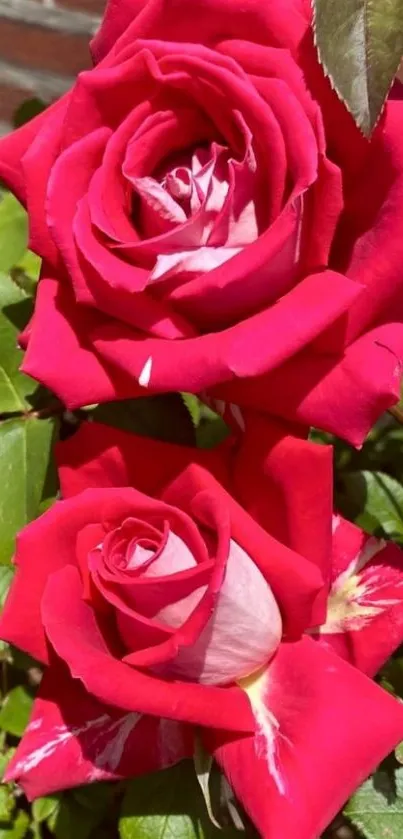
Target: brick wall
43 45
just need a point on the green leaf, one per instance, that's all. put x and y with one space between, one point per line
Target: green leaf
26 273
161 417
28 110
36 830
377 808
160 806
43 808
5 758
25 450
18 829
30 263
375 501
360 45
95 796
15 711
210 428
7 803
15 310
194 406
169 805
13 231
71 819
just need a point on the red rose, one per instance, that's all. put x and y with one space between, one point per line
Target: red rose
210 218
160 604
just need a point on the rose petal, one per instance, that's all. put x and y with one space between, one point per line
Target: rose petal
365 608
101 456
240 351
277 563
62 324
20 622
243 632
341 393
72 739
73 632
307 706
286 484
284 25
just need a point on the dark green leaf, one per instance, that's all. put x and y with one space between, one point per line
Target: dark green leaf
169 805
13 231
160 806
15 310
375 501
210 428
360 44
15 711
377 808
73 818
25 273
28 110
25 450
161 417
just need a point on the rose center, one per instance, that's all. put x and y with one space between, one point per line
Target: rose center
197 210
238 637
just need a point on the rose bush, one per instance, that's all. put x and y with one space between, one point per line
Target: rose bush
159 605
210 218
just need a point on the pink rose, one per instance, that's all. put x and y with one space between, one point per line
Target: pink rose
160 604
210 218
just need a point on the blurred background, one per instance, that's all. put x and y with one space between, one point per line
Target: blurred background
43 45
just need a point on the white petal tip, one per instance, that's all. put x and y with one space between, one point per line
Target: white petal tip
145 375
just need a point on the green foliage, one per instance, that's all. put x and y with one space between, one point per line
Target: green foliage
161 417
25 451
28 110
210 428
44 808
169 805
27 429
17 828
15 711
161 806
77 813
377 807
16 389
13 232
375 501
360 45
